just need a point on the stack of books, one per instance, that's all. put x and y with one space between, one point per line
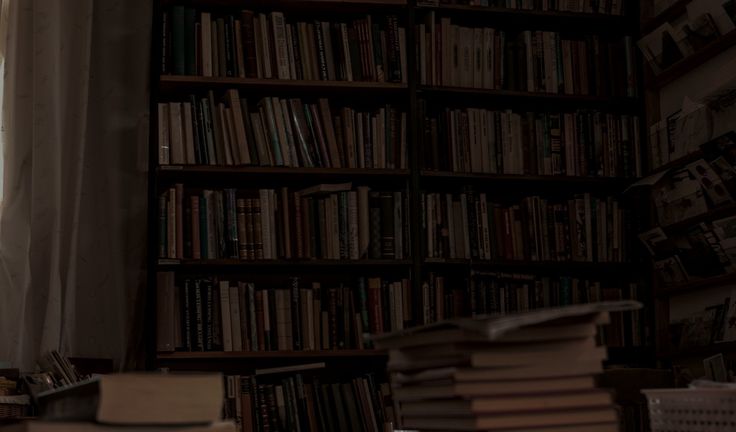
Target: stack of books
132 403
531 372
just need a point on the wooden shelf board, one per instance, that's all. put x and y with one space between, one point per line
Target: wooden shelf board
294 5
676 9
186 82
163 262
565 17
695 285
696 59
534 266
180 170
220 355
704 351
560 179
712 214
677 163
519 94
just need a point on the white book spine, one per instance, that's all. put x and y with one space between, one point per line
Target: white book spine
227 337
237 337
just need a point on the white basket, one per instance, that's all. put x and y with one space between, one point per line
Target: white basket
692 410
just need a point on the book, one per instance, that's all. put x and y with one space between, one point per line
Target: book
45 426
171 399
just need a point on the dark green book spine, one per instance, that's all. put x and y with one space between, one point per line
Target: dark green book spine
178 42
203 227
190 54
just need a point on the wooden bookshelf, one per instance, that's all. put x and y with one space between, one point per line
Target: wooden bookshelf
168 88
696 59
267 355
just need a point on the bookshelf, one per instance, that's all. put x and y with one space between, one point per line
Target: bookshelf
691 280
406 275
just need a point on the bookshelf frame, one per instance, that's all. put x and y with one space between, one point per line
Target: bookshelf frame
417 178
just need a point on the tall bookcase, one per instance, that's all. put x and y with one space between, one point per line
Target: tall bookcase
418 268
713 287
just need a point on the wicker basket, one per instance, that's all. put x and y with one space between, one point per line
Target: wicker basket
14 406
692 410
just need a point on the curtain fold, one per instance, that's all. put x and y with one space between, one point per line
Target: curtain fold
72 221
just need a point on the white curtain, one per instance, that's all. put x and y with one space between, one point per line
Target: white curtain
72 221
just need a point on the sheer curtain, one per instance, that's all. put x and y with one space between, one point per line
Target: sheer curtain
72 221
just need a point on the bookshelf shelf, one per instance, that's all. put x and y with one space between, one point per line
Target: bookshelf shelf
175 83
695 285
537 266
531 99
592 182
712 214
676 9
677 163
311 6
702 351
235 263
603 22
220 355
187 171
696 59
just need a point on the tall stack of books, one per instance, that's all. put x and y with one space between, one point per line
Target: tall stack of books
532 372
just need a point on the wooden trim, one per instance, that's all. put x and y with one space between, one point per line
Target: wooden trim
175 263
177 170
223 355
695 285
186 82
695 60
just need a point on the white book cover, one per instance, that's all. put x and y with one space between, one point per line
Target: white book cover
227 336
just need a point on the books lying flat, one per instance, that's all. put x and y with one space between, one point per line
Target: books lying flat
509 355
559 323
502 405
525 420
138 399
42 426
552 370
497 388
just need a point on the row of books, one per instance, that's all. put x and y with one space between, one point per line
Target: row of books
609 7
470 226
324 222
272 45
532 61
279 132
504 293
207 314
273 400
506 142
